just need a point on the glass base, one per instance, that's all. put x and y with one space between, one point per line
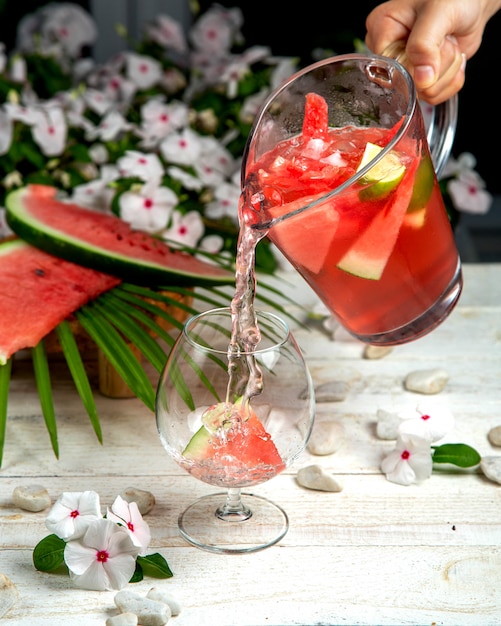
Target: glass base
210 524
426 322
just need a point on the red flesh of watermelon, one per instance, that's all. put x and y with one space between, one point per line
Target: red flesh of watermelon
38 291
245 451
108 232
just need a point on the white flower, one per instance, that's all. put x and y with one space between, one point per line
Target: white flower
69 25
468 193
145 72
127 515
225 203
182 148
104 558
147 167
410 461
167 32
216 30
187 180
185 229
159 119
428 421
5 231
97 101
50 131
211 244
72 513
110 126
5 132
95 195
148 210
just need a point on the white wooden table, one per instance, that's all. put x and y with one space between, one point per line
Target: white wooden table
375 553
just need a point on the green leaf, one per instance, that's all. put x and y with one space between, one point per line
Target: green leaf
121 357
138 575
48 554
79 375
155 565
42 378
458 454
5 371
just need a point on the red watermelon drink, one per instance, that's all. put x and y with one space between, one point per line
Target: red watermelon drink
358 212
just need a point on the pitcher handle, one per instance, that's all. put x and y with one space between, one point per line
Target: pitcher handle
442 126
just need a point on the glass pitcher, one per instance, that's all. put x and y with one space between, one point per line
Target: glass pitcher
339 173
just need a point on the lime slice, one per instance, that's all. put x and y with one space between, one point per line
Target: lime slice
384 176
423 185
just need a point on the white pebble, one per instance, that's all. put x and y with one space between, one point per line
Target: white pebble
491 467
427 381
145 500
31 498
8 594
161 596
387 424
123 619
377 352
494 436
149 612
326 438
315 477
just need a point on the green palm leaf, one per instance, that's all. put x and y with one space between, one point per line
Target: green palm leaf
79 375
5 371
118 353
42 378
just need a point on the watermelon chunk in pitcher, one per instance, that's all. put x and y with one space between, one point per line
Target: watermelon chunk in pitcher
379 251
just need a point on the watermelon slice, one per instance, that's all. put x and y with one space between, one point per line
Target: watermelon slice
368 255
316 117
38 291
103 242
243 444
305 238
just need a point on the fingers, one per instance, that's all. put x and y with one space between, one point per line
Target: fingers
432 56
450 79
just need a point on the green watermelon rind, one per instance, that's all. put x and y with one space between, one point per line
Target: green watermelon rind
71 248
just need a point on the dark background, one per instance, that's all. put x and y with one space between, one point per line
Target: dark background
334 24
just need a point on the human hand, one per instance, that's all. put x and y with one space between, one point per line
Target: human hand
439 36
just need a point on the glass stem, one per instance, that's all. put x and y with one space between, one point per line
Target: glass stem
233 510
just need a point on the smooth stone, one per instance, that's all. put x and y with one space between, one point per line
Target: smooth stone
149 612
325 438
315 477
387 424
145 500
491 467
8 594
32 498
334 391
428 381
161 596
377 352
123 619
494 436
